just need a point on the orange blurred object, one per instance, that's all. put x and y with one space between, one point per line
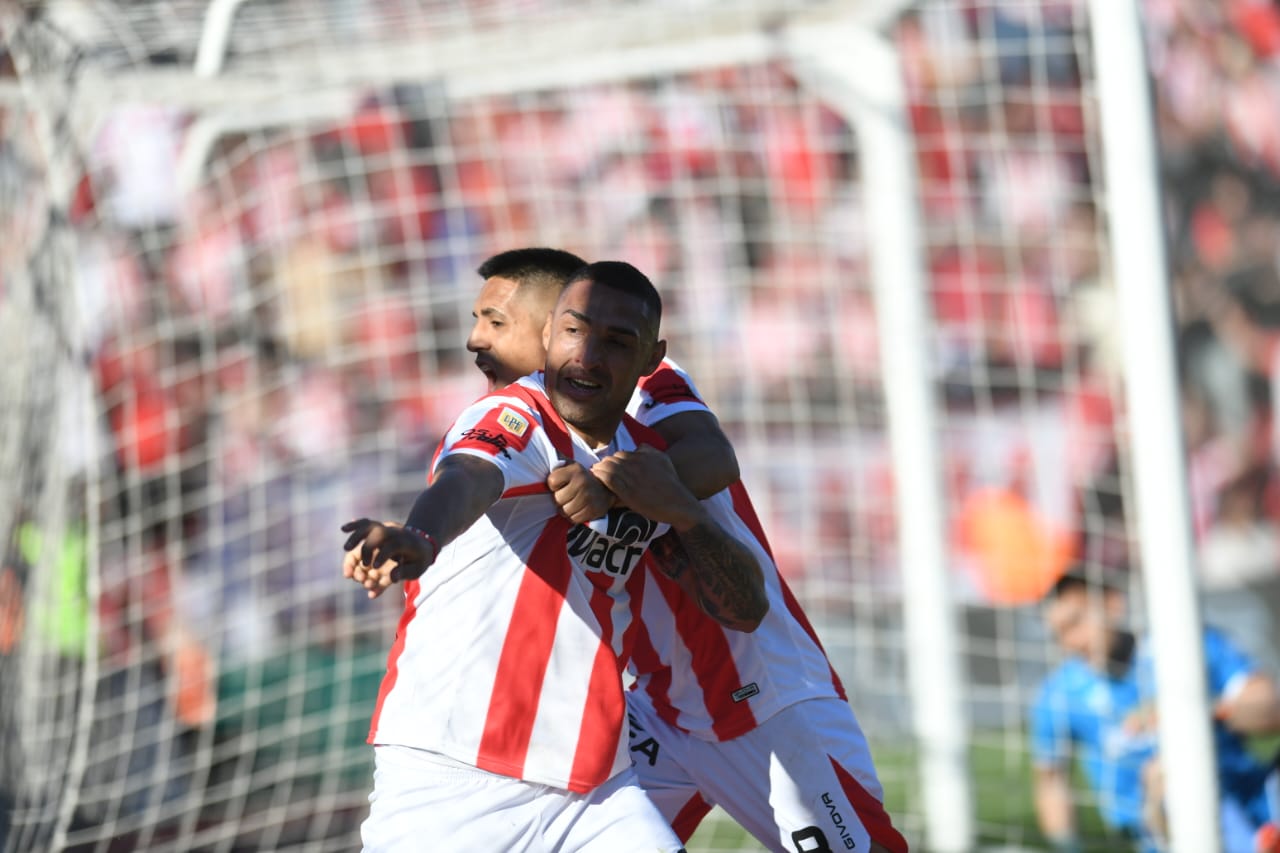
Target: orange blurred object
1018 554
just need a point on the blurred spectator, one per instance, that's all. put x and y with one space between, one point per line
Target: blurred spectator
134 164
1240 546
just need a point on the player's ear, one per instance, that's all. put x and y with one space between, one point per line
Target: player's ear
659 353
546 332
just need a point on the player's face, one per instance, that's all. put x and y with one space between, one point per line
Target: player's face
507 334
598 347
1081 621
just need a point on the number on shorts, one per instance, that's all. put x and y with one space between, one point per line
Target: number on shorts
810 835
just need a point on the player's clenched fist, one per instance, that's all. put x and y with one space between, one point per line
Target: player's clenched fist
385 553
578 494
645 480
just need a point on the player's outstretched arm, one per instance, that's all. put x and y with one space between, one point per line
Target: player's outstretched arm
1253 708
461 490
709 564
701 452
1055 807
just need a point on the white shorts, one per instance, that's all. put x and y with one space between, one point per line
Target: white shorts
801 781
423 800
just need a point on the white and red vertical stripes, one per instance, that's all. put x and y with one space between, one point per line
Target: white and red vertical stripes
708 680
510 650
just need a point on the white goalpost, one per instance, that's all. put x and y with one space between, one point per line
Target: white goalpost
237 254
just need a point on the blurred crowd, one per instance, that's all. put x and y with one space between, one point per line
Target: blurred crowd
261 306
269 317
1023 298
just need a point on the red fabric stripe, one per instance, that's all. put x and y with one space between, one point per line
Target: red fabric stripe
712 661
658 675
393 657
488 435
635 595
691 814
602 721
747 512
665 385
526 653
602 718
642 434
552 424
870 811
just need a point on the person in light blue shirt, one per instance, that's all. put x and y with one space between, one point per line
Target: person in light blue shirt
1097 707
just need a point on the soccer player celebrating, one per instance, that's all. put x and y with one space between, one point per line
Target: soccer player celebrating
757 723
503 692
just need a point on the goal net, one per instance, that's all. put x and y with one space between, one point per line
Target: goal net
236 274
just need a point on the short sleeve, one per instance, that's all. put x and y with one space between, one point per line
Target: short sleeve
665 392
502 431
1050 725
1227 664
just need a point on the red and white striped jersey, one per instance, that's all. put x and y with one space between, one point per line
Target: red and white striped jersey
708 680
510 650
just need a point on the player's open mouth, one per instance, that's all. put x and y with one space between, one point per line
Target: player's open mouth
581 388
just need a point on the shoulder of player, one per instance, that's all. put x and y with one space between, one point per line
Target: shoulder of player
669 383
509 417
1224 654
641 434
1068 680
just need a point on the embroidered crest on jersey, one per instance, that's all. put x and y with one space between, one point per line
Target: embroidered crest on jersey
512 423
665 386
492 435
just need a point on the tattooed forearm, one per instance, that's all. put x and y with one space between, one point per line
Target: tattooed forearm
726 578
673 559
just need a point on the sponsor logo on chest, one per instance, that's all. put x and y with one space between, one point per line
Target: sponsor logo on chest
613 544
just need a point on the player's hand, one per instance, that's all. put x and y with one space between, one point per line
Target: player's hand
645 481
1140 720
382 544
579 495
375 581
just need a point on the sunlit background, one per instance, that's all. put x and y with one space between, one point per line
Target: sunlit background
237 262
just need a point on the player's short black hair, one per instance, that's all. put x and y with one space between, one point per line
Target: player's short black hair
1081 577
534 263
624 278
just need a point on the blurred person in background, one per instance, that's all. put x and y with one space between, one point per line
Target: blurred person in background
1097 707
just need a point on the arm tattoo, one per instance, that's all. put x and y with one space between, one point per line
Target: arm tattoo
672 558
726 576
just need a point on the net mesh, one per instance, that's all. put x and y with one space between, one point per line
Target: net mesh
232 314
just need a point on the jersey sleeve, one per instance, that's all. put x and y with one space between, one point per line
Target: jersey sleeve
1050 725
506 433
665 392
1228 666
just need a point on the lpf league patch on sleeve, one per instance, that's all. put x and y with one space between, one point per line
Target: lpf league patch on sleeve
512 422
